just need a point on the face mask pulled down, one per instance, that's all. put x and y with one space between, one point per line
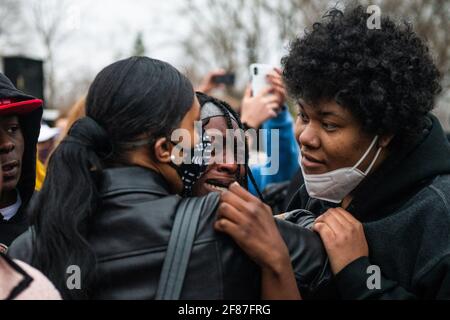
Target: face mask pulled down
334 185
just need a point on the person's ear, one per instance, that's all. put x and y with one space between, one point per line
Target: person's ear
162 150
385 140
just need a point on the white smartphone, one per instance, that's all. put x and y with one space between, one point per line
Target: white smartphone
258 75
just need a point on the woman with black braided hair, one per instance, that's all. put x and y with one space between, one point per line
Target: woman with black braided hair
218 117
267 114
228 173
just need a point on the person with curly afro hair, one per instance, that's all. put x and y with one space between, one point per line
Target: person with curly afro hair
375 163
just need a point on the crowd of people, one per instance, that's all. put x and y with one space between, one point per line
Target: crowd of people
363 184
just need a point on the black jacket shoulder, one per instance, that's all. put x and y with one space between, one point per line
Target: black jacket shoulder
130 234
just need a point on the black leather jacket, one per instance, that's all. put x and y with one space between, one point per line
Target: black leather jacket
130 235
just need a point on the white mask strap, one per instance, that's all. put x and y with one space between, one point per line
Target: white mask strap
366 153
373 161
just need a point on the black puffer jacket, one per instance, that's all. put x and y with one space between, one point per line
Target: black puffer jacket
131 232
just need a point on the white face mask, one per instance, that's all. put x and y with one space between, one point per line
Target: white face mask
334 185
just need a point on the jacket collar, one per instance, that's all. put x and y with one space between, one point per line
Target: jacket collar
402 174
118 180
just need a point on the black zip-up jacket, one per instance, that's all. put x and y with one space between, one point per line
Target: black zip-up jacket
131 231
404 207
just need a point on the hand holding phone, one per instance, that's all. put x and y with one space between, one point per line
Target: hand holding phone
226 79
215 79
255 110
258 74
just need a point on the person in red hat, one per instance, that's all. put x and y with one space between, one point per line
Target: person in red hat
20 117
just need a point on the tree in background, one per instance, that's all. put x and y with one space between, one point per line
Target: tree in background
10 24
139 46
234 34
224 33
47 21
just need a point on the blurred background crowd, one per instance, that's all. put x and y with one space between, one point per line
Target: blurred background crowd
53 48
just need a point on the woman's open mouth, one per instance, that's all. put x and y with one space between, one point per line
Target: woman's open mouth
217 185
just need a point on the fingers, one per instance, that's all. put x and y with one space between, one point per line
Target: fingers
274 105
265 91
218 72
239 191
280 92
333 219
326 233
271 102
280 216
221 71
243 201
343 216
269 112
234 200
207 83
278 71
226 211
271 98
228 227
346 215
352 224
272 113
275 95
343 224
248 91
275 80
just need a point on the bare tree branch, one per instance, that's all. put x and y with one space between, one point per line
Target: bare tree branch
47 19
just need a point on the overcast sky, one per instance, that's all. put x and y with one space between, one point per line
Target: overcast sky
96 33
103 30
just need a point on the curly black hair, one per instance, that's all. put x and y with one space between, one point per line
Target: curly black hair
385 77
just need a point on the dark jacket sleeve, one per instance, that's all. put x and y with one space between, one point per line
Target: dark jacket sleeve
309 261
22 248
352 283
